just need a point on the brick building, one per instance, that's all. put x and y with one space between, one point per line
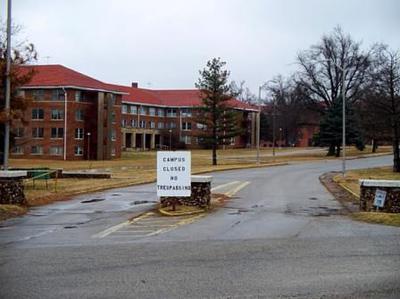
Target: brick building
73 117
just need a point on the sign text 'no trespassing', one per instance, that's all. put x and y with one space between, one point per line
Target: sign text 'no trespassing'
173 173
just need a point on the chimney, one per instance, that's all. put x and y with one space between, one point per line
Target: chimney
134 84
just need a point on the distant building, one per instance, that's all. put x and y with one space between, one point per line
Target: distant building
76 117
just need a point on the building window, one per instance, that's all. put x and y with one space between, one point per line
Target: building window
37 150
79 115
113 151
19 132
201 126
160 112
58 95
124 108
186 139
133 109
113 135
171 112
152 111
123 123
78 96
38 95
133 123
37 132
111 96
78 150
113 117
233 140
17 150
142 110
57 114
56 150
37 114
142 124
152 124
78 133
186 126
186 112
57 132
160 125
172 125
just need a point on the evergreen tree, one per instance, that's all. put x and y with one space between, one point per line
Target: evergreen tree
218 120
330 133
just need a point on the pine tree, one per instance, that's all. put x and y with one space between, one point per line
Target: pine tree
330 133
218 120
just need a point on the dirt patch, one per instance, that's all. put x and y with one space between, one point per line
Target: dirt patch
348 200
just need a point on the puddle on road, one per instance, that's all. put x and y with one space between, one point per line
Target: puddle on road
70 226
93 200
141 202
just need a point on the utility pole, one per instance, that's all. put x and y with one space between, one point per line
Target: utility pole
273 126
258 126
8 89
344 122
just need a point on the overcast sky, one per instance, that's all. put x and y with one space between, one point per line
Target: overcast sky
163 43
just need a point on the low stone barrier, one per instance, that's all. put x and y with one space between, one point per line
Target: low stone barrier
12 187
368 190
200 195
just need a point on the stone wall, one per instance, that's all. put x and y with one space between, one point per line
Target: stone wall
12 191
201 196
392 202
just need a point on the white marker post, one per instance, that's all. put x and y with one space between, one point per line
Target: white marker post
173 174
379 200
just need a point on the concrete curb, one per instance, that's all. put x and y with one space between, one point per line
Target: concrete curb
175 214
345 187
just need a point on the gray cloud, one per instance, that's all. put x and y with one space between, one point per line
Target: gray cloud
163 44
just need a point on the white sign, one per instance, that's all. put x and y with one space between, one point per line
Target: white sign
380 197
173 173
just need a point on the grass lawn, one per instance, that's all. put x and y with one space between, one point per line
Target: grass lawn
350 182
140 167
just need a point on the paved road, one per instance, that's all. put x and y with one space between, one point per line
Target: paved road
282 235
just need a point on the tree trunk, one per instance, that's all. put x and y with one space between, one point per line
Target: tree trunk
331 151
214 154
337 150
396 150
374 145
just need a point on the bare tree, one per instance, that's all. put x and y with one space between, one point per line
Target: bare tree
321 68
243 93
287 106
385 97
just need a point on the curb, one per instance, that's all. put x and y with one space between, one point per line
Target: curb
345 187
174 214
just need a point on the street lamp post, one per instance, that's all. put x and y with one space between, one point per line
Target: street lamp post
258 136
343 95
273 127
88 145
343 122
8 89
170 139
280 138
258 125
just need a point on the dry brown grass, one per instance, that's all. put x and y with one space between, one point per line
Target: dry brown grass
8 211
351 181
378 218
140 167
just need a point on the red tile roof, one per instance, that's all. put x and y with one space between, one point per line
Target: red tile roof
59 75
